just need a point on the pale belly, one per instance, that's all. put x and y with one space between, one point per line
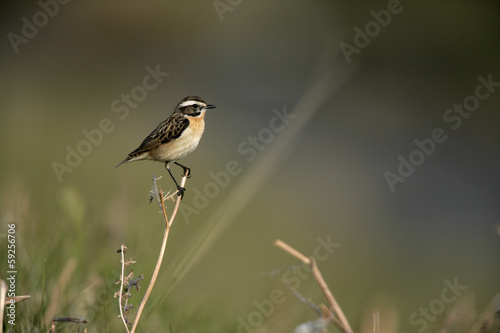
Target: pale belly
179 148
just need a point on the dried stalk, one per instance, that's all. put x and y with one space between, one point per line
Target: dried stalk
66 320
122 280
3 292
168 223
334 306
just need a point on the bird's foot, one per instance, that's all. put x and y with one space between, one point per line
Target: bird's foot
180 191
187 171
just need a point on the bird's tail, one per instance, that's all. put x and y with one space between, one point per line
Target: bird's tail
134 156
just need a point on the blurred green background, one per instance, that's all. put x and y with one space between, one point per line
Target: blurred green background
321 176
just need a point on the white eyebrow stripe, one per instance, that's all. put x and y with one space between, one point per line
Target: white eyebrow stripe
187 103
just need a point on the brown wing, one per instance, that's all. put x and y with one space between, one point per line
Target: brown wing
168 130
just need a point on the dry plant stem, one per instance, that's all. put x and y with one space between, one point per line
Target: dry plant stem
330 315
66 320
17 299
168 224
3 291
334 306
292 251
122 278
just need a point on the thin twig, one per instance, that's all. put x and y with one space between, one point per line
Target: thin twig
122 280
292 251
178 202
66 320
168 223
334 306
329 314
3 291
17 299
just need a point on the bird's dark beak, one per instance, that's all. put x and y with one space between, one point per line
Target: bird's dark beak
209 106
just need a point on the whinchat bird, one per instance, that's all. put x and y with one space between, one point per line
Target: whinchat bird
175 137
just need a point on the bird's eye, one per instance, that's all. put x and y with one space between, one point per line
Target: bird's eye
195 106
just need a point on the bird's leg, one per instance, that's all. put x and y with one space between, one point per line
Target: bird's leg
180 190
185 168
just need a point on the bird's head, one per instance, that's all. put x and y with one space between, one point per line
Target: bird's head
193 106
